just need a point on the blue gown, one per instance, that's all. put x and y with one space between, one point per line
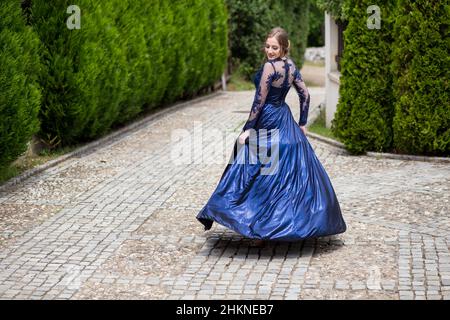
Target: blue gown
286 195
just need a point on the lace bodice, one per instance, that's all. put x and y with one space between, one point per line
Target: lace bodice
273 81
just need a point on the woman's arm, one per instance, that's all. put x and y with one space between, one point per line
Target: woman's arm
303 95
260 95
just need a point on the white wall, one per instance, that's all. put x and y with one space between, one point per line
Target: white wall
331 73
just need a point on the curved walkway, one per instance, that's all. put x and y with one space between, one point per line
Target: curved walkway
119 223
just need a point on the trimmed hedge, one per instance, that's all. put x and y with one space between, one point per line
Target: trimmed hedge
316 34
84 76
394 92
251 20
19 91
129 56
363 120
334 7
422 72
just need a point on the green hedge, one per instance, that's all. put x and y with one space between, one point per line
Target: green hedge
394 91
251 20
316 34
336 8
85 70
129 56
363 120
19 91
422 72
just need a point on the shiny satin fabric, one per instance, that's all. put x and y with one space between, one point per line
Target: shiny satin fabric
288 198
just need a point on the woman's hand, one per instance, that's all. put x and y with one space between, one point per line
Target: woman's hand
243 136
303 129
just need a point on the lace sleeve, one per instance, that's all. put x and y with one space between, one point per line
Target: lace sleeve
303 95
260 95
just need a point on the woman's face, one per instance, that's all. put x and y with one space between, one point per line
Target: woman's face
273 49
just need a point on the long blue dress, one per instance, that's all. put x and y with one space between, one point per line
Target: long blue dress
286 195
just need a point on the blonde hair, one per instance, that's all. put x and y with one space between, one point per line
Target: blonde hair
283 39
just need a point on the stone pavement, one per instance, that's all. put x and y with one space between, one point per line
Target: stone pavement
119 222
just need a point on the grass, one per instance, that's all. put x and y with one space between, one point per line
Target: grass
319 64
28 161
238 82
319 127
309 83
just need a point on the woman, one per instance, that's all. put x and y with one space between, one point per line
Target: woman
289 197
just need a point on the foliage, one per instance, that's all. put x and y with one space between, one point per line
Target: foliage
19 91
421 66
363 120
251 20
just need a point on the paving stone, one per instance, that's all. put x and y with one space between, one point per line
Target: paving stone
119 223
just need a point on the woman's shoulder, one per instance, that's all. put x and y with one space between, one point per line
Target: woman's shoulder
290 61
269 64
279 60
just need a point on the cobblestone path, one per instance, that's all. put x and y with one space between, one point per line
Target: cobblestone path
119 223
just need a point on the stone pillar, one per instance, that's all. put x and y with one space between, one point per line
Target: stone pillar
331 69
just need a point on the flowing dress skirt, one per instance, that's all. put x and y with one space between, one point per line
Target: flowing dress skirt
288 198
